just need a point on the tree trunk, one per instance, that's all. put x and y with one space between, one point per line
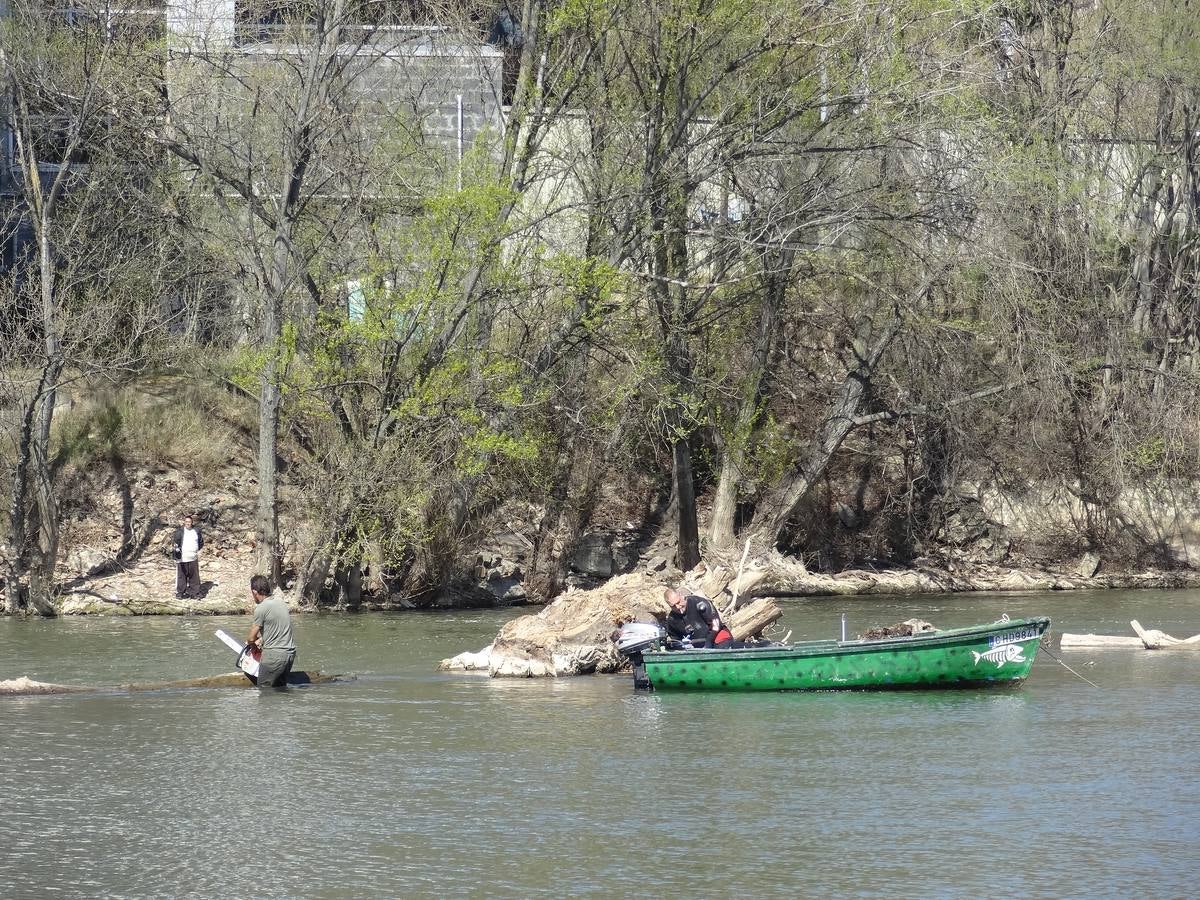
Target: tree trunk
724 511
547 569
348 581
773 514
687 554
1148 234
670 271
18 563
267 518
41 582
269 401
374 582
311 579
721 527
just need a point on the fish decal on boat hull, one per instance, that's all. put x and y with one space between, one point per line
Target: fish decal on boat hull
1001 654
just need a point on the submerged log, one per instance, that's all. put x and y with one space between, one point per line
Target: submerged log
25 687
235 679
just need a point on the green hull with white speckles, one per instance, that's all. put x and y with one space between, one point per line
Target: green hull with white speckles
996 654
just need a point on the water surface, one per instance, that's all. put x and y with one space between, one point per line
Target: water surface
413 783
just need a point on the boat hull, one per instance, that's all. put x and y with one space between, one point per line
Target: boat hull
982 655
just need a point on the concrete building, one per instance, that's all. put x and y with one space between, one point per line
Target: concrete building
448 81
123 20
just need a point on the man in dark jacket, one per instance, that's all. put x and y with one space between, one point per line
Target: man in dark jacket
188 543
692 618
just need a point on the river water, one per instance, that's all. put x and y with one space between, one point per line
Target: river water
412 783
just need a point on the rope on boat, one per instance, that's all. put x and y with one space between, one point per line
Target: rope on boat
1058 659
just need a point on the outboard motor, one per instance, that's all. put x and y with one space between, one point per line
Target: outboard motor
632 639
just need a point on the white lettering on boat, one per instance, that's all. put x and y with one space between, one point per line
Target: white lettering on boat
1011 637
1001 654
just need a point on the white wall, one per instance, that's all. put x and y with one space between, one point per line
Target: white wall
192 22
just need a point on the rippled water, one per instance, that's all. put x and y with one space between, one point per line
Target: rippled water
411 783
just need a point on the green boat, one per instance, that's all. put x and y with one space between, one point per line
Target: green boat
982 655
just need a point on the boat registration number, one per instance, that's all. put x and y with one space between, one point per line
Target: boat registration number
1009 637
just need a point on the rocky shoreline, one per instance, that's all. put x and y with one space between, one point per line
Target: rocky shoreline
115 559
979 579
139 592
148 589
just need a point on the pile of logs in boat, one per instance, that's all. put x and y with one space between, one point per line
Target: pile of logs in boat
1146 639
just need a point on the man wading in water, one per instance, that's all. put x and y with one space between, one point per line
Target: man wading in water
271 633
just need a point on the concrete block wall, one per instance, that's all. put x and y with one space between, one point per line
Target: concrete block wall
423 71
200 22
428 77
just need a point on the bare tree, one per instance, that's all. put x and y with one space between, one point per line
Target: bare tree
78 169
266 122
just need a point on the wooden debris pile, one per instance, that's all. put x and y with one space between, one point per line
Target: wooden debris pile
907 628
574 635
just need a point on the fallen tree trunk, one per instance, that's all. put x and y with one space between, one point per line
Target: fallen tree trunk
1158 640
88 604
234 679
1147 639
752 620
1100 642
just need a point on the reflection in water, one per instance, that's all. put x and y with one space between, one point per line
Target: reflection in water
410 782
644 712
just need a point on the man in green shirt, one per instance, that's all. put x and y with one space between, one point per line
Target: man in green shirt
272 633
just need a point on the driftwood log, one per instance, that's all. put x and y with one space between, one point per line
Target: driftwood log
754 618
574 635
1147 639
27 687
1100 642
1158 640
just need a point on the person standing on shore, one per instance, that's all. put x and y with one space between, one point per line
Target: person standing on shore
272 634
188 543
